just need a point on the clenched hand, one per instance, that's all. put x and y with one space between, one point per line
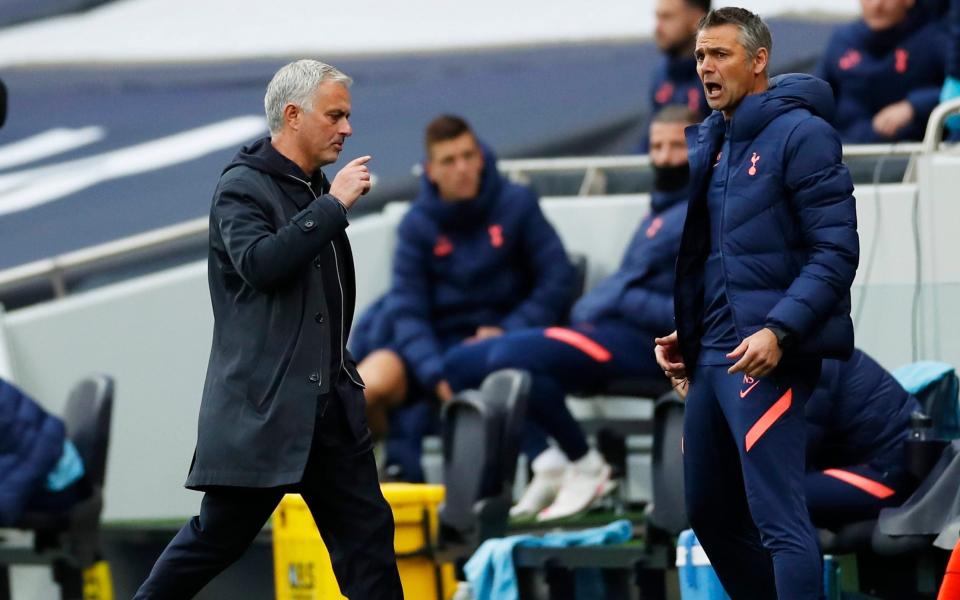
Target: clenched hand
759 354
352 181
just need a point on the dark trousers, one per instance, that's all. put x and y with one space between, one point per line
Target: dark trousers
341 489
560 360
744 455
844 495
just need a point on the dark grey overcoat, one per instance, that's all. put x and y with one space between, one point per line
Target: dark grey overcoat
272 236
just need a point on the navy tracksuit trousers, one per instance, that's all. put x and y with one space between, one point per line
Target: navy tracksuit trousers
560 360
744 447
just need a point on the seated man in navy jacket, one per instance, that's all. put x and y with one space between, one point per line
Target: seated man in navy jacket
886 71
611 328
40 468
858 421
475 257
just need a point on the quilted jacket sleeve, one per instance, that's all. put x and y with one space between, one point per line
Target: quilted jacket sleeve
822 195
410 304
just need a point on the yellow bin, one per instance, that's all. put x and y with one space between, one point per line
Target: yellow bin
301 563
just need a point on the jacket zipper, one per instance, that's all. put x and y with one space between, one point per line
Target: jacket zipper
723 214
336 266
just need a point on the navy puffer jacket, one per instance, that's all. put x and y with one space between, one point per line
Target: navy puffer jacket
788 237
870 70
31 442
492 261
858 414
640 292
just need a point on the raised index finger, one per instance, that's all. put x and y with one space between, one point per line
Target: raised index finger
359 161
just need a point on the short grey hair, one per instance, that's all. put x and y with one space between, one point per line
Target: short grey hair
676 113
754 33
296 83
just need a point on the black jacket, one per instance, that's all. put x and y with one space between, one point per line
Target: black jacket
282 286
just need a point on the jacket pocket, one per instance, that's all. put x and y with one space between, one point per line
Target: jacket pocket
305 221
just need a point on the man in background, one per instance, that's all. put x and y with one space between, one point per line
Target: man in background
886 71
674 81
475 258
609 328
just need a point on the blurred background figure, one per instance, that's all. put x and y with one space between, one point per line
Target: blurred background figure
40 468
609 328
858 422
674 80
475 258
951 85
886 71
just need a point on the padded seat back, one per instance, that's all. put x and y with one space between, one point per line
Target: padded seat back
87 418
481 439
669 511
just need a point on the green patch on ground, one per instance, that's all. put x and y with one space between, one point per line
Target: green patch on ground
122 524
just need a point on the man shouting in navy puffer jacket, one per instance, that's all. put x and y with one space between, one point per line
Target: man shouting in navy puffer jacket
768 254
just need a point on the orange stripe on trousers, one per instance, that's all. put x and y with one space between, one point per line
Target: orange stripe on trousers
580 342
770 417
874 488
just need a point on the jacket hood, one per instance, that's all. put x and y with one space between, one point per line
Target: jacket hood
468 212
786 92
262 156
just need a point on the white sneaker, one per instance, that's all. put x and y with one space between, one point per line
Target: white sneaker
584 482
548 469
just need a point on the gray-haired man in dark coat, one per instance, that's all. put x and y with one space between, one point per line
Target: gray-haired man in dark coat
283 407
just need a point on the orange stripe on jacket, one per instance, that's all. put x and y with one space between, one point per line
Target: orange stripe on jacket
580 342
874 488
770 417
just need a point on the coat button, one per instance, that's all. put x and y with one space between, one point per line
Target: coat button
314 377
308 224
318 317
316 262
